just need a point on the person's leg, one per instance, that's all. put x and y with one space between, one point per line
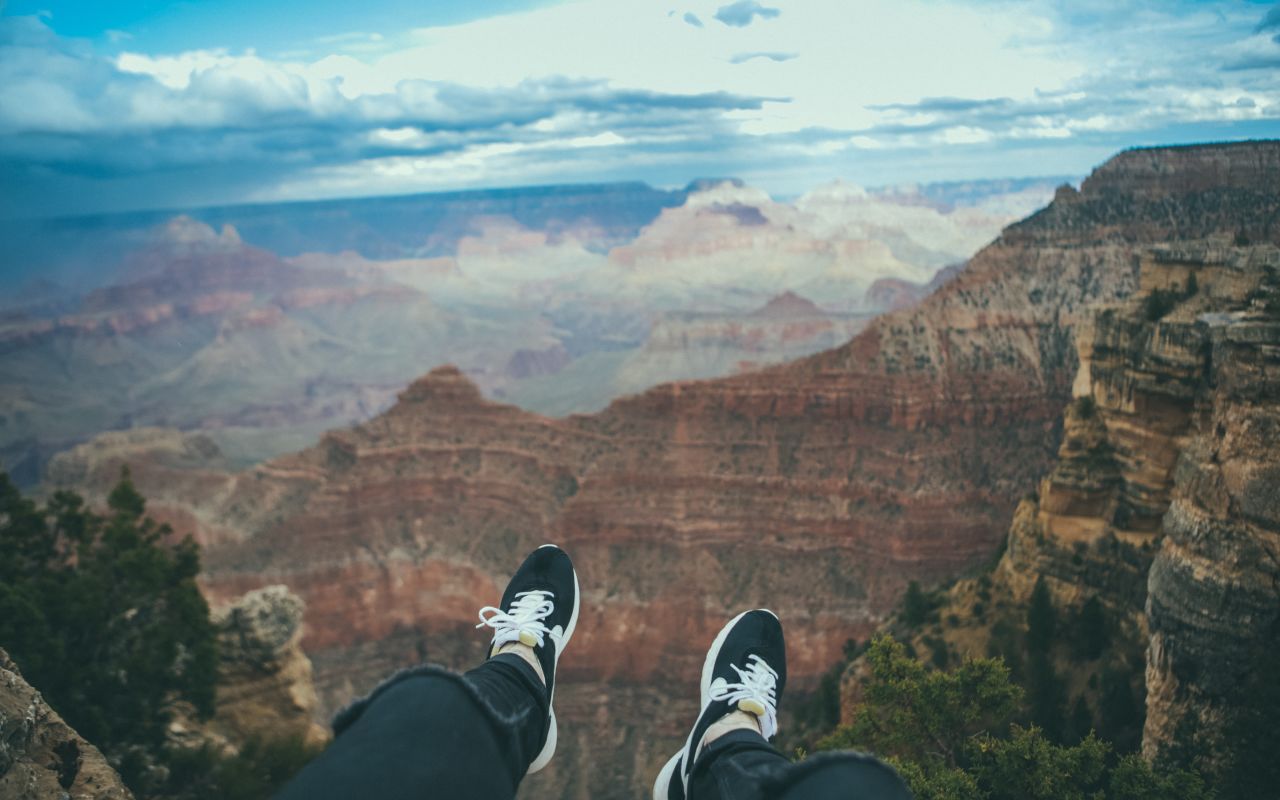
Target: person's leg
743 676
429 733
727 755
741 765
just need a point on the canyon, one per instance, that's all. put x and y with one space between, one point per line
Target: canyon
819 487
265 326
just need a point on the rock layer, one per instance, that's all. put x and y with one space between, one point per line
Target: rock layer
1214 588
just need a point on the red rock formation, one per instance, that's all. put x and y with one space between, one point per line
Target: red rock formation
819 488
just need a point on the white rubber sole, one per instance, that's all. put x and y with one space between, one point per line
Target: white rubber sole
662 786
549 748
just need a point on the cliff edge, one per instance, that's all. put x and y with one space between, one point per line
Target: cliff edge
40 755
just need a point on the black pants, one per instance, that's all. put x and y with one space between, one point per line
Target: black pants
429 734
741 765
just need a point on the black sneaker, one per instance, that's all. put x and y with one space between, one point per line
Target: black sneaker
539 609
746 670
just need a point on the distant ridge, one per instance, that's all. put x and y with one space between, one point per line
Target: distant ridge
703 184
386 227
788 305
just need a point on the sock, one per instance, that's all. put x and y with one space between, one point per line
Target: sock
525 652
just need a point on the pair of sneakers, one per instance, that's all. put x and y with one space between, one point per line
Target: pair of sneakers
744 670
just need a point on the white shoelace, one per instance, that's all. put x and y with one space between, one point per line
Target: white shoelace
758 688
523 622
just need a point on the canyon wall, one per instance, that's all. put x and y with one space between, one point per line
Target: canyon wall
1214 588
818 488
1162 506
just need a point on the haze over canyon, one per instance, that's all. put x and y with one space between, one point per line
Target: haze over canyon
266 325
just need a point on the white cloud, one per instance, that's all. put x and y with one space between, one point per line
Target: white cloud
625 84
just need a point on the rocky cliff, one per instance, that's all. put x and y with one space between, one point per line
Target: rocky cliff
819 487
895 294
1163 502
1214 589
1162 506
265 686
40 756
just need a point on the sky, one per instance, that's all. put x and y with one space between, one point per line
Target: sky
138 104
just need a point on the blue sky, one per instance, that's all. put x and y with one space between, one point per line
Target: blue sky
131 104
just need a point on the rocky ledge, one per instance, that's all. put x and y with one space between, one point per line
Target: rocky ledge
40 755
265 685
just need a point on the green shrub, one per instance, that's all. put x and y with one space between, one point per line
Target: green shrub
1042 619
950 736
1086 406
260 768
1092 634
915 606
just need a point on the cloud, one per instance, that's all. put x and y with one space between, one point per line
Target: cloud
1259 61
743 13
1102 106
1215 79
742 58
942 104
692 19
1270 22
601 89
52 86
72 116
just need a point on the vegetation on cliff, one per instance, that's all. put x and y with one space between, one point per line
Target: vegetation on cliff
103 615
105 618
953 735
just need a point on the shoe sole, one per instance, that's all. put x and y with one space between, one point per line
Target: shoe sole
708 666
662 786
549 749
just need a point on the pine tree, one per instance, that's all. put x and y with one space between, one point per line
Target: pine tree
1092 635
104 616
1041 619
1253 769
948 733
915 606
